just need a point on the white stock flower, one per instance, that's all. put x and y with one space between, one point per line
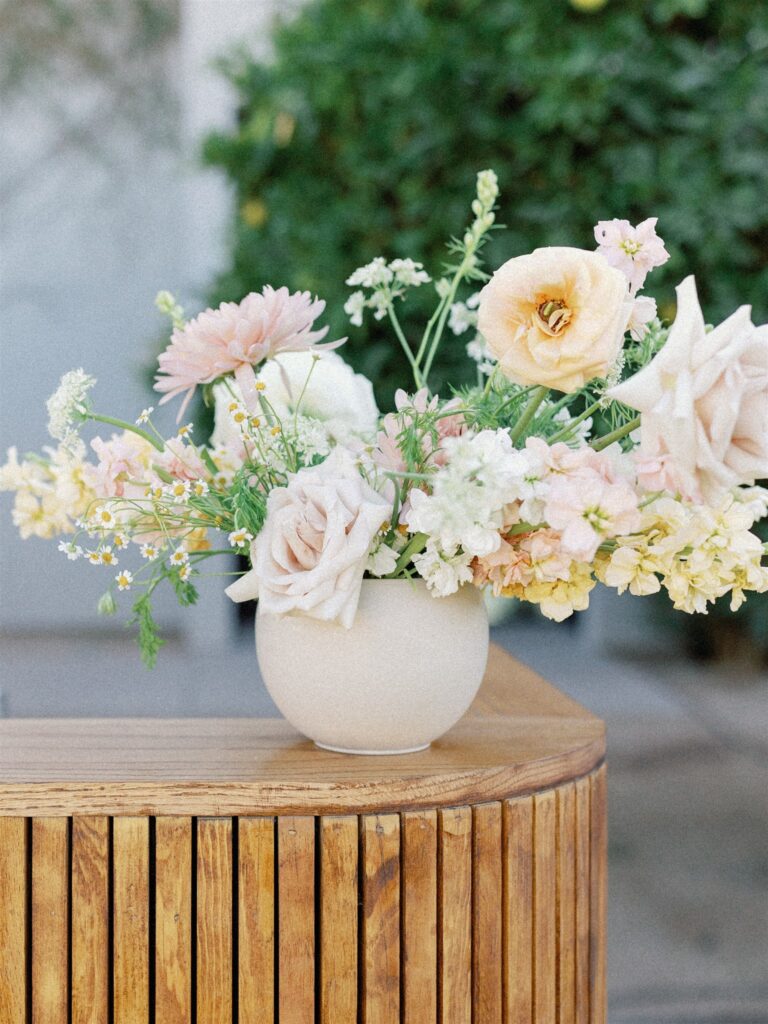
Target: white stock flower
443 573
643 312
382 560
704 400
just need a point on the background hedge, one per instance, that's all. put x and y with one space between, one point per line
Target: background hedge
363 136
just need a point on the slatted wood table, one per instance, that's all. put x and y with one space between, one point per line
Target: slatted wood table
227 871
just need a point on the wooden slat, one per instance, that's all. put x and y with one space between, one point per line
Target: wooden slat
598 895
380 945
130 844
582 900
544 907
214 920
50 885
256 917
90 920
455 915
338 901
517 961
296 924
173 920
566 904
419 916
13 919
486 914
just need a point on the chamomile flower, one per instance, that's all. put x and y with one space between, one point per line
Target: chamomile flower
199 488
238 413
179 557
107 556
179 490
155 493
144 415
240 538
185 572
124 580
70 549
120 541
186 431
149 551
94 557
102 519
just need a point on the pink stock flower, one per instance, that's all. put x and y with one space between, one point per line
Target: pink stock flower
236 337
587 510
632 250
182 461
122 459
387 453
521 560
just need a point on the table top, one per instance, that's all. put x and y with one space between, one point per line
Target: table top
521 734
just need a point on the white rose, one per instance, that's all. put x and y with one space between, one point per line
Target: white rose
339 398
704 400
311 554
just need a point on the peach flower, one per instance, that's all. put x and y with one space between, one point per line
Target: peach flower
311 554
555 317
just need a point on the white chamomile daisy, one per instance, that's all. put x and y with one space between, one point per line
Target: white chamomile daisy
70 549
102 518
120 541
155 492
185 572
107 556
240 538
149 551
144 415
238 413
199 488
94 558
179 491
124 580
179 557
186 431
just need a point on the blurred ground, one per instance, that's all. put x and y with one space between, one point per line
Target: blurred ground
688 753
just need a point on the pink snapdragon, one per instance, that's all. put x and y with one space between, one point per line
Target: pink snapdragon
633 250
236 337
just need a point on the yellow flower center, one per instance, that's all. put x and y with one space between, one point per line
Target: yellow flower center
631 248
553 316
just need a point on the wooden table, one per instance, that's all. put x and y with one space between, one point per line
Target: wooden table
229 866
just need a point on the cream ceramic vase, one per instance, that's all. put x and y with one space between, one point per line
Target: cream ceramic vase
405 672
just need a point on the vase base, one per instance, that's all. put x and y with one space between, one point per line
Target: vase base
370 753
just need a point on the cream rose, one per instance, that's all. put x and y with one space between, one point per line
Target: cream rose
555 317
704 402
311 554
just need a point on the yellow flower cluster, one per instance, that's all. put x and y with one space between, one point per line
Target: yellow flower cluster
698 554
558 599
51 492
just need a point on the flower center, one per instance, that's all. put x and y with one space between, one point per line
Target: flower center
553 316
630 247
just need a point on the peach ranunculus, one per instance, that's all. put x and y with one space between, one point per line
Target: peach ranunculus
555 317
311 554
704 403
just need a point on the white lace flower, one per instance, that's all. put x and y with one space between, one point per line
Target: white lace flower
372 275
354 307
409 273
67 405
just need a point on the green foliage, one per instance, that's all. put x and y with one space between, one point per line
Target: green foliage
186 592
149 638
363 136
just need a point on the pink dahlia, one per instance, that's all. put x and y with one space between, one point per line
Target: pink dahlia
236 337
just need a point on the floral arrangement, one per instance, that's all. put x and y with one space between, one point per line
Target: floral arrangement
598 444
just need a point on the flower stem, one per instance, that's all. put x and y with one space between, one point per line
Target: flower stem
529 412
127 426
405 346
575 422
416 544
616 435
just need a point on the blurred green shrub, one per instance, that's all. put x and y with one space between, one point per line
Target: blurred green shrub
363 135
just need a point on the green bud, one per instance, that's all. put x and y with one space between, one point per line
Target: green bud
107 604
